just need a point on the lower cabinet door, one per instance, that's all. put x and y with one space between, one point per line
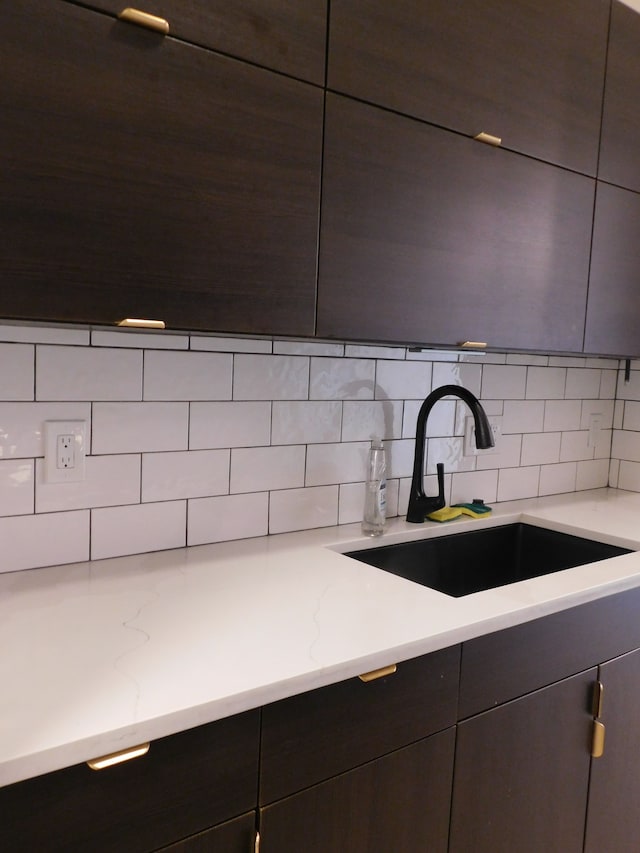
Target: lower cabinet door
613 821
396 804
234 836
522 773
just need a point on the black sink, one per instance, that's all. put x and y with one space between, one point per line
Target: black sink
462 563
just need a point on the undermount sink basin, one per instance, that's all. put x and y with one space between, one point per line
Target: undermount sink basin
462 563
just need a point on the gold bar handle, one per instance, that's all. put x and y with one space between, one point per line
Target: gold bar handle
488 139
472 344
378 673
141 323
118 757
597 740
144 19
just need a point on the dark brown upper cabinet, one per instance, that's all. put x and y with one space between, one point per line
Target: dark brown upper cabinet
528 71
143 177
619 153
430 237
613 306
284 35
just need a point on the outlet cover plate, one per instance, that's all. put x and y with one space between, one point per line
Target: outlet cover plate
64 451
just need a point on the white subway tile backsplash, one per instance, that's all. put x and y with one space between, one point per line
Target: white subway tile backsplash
592 474
138 427
187 375
16 486
232 424
458 373
574 446
47 539
582 384
88 373
403 380
504 382
16 372
449 451
557 479
507 454
109 481
441 420
230 517
471 485
302 509
44 335
196 438
379 352
121 530
330 464
308 348
270 377
22 425
185 474
306 422
546 383
342 379
541 448
222 344
261 469
561 415
523 416
515 483
131 339
364 420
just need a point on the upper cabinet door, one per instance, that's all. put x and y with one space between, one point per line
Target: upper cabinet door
528 71
143 177
619 151
430 237
613 308
285 35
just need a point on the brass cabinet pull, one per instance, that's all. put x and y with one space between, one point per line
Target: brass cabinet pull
144 19
378 673
488 138
597 740
141 323
472 344
256 846
118 757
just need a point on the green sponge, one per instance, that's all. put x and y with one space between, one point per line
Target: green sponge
475 509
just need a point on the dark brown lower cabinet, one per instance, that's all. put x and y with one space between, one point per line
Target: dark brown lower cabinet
522 771
234 836
397 803
614 792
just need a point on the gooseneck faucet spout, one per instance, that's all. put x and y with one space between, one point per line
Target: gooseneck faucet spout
420 505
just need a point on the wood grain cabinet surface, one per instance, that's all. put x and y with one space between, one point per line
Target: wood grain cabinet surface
184 785
613 306
145 177
284 35
430 237
529 71
619 155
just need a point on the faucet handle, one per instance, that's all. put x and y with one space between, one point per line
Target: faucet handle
440 473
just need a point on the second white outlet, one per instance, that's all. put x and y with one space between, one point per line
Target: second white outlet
64 451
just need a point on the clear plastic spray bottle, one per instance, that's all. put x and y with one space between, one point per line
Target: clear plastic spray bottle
375 500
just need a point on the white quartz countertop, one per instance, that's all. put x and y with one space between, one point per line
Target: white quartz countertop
100 656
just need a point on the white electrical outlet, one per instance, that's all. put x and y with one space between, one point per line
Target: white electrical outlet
470 449
64 451
595 425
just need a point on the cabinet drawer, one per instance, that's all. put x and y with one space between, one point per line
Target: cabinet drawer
400 802
234 836
501 666
285 35
185 783
316 735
